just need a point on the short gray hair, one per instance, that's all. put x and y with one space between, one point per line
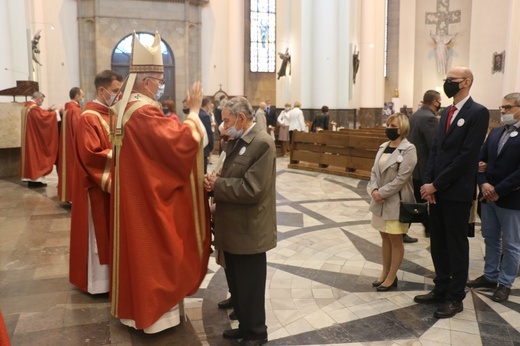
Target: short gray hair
37 94
238 105
513 97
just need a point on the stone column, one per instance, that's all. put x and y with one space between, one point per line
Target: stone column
235 51
371 78
406 60
324 63
512 70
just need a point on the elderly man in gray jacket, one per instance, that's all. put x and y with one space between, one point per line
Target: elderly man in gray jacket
245 217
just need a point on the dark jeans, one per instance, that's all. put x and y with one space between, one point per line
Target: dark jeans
246 276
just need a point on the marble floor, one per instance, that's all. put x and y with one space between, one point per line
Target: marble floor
318 289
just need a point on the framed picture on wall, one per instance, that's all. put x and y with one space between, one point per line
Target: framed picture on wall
498 62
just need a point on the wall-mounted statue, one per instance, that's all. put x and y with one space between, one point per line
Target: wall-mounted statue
35 49
442 19
441 48
286 59
355 65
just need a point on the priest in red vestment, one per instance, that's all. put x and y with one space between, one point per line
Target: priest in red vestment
90 219
4 338
66 153
39 145
160 236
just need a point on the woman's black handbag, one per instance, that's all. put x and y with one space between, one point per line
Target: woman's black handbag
413 212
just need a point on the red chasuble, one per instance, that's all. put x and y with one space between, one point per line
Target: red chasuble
91 180
66 153
39 141
4 338
161 235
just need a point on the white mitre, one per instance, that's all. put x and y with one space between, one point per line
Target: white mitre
144 58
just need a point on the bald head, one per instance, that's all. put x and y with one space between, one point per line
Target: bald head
461 72
263 105
463 77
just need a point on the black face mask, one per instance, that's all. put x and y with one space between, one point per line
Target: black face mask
451 88
438 106
391 133
186 110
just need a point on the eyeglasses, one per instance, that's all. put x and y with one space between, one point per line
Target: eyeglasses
452 80
161 81
506 108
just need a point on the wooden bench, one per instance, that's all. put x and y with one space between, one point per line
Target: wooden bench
348 152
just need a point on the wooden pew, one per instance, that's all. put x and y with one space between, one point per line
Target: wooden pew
348 153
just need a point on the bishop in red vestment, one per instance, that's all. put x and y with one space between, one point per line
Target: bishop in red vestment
39 145
89 229
4 338
66 153
161 236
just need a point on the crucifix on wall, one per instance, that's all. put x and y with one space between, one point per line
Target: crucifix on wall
442 19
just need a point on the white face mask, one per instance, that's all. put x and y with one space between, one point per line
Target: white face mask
159 92
111 98
233 132
508 119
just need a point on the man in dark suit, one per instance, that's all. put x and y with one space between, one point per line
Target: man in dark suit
499 181
270 114
205 108
450 187
245 217
423 126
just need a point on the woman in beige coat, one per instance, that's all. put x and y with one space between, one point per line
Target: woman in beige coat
391 182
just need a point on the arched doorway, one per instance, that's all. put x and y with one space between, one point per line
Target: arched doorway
123 51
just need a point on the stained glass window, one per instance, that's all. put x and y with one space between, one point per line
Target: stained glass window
263 36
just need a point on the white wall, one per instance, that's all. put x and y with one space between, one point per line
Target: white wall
14 56
59 47
487 87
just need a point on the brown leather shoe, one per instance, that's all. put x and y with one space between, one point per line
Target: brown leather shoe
449 310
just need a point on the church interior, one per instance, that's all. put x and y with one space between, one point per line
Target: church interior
358 57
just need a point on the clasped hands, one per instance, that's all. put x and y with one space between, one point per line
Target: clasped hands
209 181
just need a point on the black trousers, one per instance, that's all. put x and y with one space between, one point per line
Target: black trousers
417 193
246 276
450 247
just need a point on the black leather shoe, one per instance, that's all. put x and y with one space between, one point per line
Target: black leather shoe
35 184
382 288
232 334
501 294
233 316
430 298
254 342
449 310
225 304
408 239
481 282
377 283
